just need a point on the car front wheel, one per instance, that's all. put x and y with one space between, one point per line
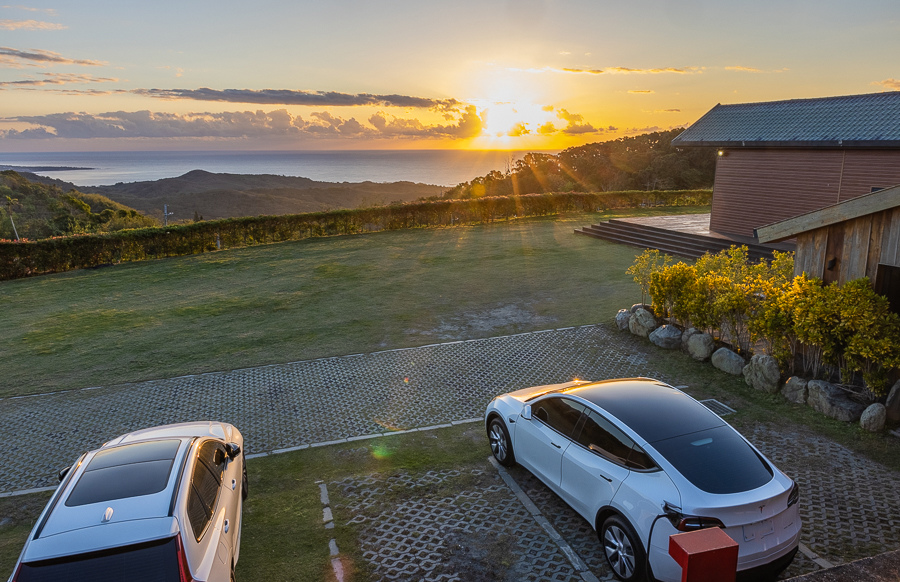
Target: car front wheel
623 550
501 446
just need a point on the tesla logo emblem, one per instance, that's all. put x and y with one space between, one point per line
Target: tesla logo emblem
761 508
107 515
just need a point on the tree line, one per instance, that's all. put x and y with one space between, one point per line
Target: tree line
642 162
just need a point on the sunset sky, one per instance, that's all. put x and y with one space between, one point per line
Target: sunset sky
353 74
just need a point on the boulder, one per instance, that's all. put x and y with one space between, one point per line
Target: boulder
642 322
666 336
796 389
762 373
637 306
872 418
701 346
832 401
622 318
892 405
686 335
728 361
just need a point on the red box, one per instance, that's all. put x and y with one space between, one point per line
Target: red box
705 555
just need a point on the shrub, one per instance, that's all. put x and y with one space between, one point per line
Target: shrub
673 289
645 264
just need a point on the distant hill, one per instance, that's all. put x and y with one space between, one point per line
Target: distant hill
211 196
36 210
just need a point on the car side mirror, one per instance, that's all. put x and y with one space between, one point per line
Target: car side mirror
63 472
233 450
526 412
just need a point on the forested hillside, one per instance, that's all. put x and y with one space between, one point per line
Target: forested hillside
32 210
643 162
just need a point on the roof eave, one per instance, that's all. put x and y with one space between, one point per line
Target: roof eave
854 208
824 144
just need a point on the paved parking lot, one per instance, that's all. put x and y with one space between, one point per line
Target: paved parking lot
479 529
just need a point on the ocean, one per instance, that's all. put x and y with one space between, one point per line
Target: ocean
440 167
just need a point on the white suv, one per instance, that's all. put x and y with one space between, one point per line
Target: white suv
161 504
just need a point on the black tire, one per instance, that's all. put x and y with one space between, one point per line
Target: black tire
245 483
501 445
623 549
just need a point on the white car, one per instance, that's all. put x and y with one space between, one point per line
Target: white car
157 505
640 461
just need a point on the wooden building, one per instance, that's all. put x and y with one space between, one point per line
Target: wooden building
785 158
856 238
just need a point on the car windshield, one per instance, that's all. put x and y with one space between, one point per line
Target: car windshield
155 561
716 460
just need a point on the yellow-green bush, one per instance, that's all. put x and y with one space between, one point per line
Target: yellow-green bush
848 328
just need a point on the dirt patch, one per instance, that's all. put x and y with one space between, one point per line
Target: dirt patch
510 318
478 557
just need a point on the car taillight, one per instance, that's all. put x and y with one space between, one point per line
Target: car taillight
15 575
184 571
794 496
694 522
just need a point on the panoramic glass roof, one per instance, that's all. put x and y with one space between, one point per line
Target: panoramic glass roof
125 471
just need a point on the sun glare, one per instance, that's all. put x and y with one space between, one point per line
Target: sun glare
506 123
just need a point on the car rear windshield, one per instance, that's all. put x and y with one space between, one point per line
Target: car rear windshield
716 460
155 561
125 471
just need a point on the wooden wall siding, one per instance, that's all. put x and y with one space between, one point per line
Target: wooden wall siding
859 245
890 240
756 187
876 234
867 169
856 248
809 257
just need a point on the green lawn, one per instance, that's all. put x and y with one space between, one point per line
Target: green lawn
307 299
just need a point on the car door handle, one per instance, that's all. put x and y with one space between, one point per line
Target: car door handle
608 480
555 445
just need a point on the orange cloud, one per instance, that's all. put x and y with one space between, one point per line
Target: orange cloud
642 91
38 58
889 84
743 69
30 25
630 71
57 79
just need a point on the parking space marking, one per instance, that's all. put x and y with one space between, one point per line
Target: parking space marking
821 562
328 519
573 557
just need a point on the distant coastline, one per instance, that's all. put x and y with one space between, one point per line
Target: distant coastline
438 167
43 168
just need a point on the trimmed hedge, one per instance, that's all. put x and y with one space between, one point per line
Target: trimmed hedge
30 258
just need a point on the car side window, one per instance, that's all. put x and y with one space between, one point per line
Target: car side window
599 435
206 480
560 414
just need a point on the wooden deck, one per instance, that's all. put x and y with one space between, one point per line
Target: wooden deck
687 235
699 224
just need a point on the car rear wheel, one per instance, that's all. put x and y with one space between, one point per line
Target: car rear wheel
501 446
623 550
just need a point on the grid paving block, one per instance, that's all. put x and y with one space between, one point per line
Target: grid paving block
289 405
473 532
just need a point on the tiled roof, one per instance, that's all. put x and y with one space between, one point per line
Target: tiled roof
853 121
